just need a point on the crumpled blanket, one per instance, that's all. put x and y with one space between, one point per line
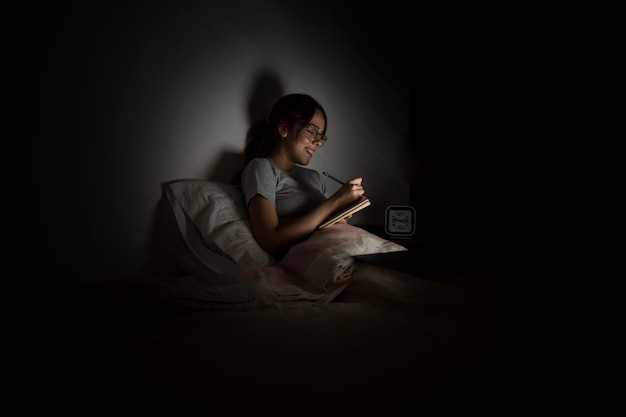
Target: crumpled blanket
315 270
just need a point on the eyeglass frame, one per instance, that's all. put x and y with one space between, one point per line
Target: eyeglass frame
312 130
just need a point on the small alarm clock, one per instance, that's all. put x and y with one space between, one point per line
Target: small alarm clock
400 221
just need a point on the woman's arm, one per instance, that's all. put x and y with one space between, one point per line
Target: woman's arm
275 237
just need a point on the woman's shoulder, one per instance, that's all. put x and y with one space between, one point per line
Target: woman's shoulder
260 166
257 163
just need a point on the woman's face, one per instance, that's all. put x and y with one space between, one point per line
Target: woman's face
303 144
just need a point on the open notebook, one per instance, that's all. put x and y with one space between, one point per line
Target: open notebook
358 206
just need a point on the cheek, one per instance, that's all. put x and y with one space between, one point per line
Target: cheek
299 142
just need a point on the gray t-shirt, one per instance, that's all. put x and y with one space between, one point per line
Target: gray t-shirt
293 193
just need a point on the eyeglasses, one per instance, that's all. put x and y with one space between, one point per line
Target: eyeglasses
313 135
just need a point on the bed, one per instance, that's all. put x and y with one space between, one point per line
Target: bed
229 330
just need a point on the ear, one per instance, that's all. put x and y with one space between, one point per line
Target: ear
282 129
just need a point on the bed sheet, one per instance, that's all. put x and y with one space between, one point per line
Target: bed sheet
476 342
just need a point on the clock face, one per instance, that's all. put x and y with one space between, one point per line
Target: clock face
400 220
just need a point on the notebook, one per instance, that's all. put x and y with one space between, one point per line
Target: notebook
356 207
429 261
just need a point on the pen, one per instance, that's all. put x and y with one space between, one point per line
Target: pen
332 178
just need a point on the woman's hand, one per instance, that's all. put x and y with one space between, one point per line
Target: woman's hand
350 192
345 219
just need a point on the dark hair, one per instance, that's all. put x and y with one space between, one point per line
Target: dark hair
294 109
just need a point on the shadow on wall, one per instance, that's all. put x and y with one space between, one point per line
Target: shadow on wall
166 239
228 168
267 88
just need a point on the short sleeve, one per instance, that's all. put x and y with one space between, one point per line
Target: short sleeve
259 177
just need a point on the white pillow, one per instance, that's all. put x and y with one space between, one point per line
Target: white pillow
218 211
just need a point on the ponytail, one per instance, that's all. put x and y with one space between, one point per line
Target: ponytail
259 141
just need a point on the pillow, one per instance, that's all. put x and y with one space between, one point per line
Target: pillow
218 211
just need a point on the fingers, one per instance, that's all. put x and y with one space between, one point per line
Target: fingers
345 219
355 188
356 185
356 180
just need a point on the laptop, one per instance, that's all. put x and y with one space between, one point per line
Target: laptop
430 261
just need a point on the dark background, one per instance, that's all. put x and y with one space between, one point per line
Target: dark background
489 132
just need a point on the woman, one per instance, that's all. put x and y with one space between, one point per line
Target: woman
285 200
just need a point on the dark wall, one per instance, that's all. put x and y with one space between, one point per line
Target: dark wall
487 133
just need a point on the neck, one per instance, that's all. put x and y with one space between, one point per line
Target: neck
281 160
